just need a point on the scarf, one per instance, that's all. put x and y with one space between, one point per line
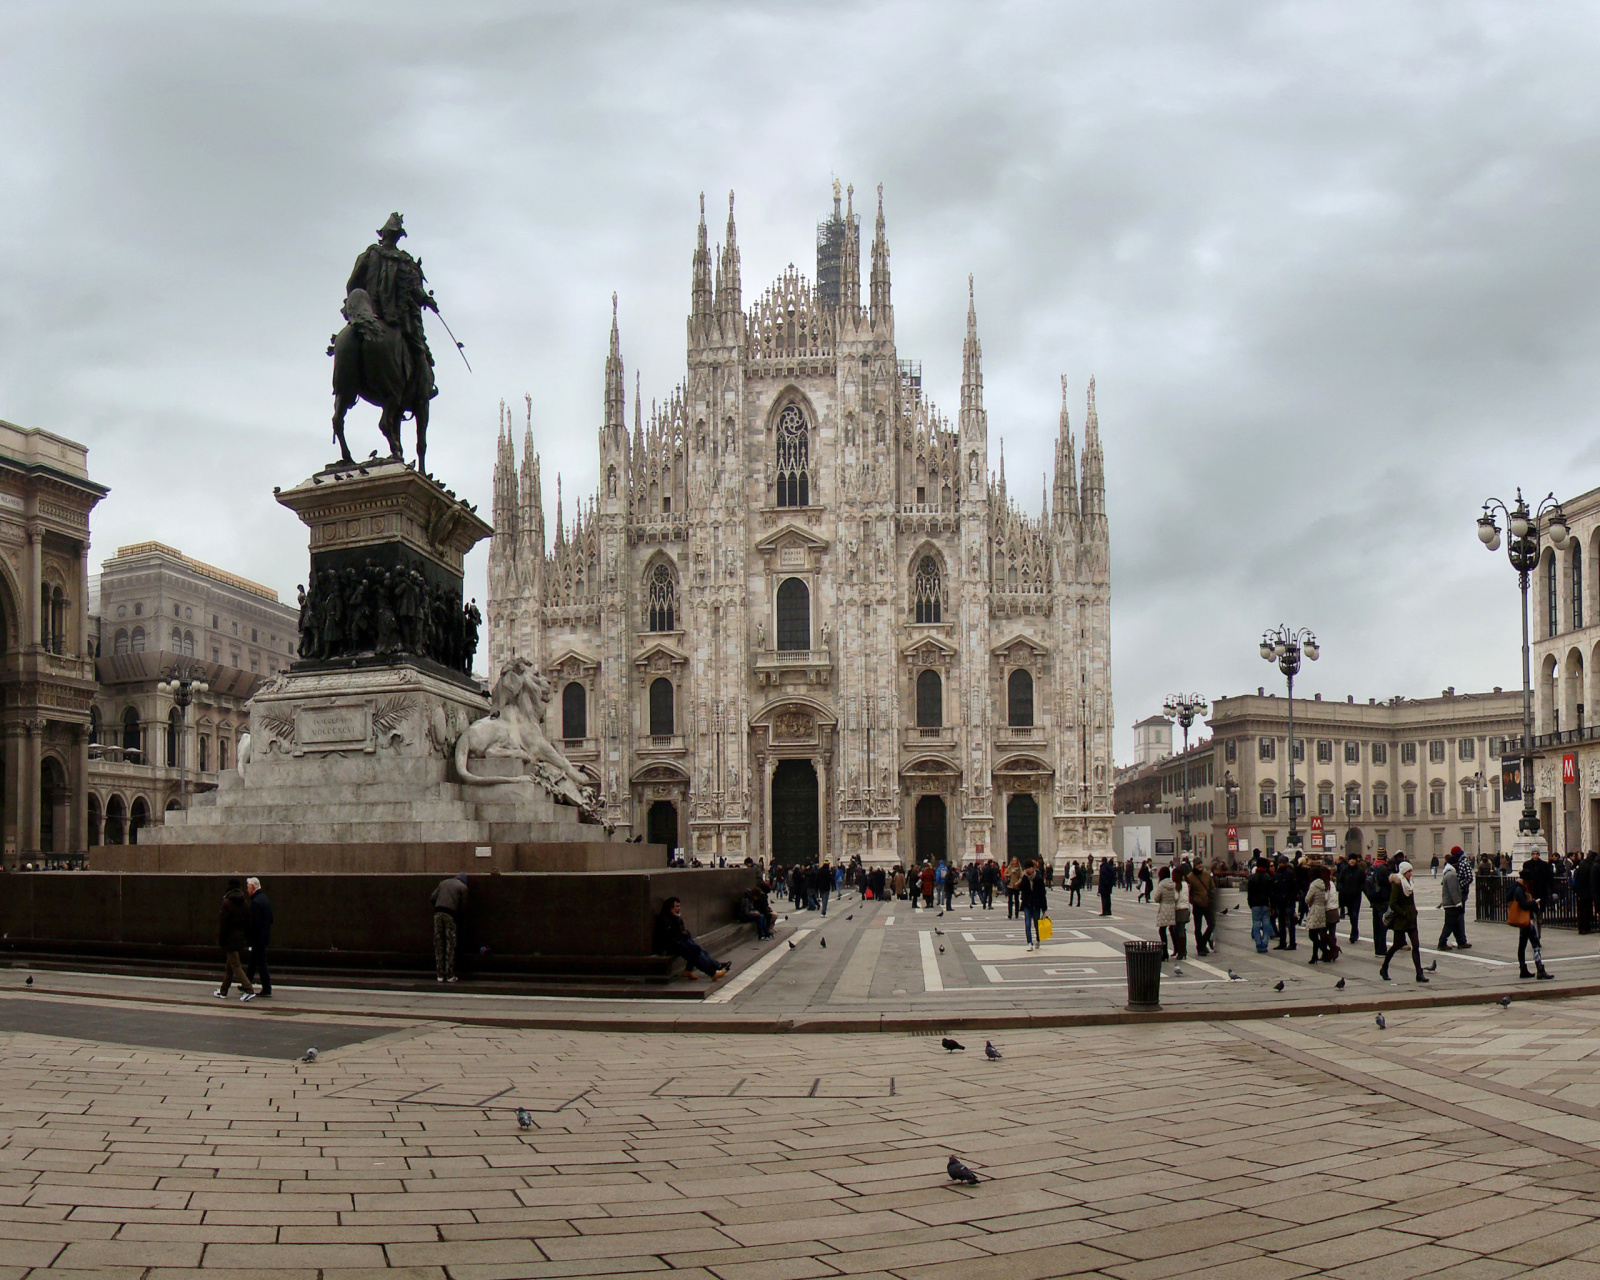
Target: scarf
1405 883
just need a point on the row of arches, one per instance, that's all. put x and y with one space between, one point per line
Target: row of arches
117 821
130 737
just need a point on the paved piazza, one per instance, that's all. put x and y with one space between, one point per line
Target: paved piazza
148 1131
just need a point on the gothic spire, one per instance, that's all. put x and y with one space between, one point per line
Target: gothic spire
882 312
700 290
614 405
561 534
850 263
1066 468
728 304
1094 478
974 421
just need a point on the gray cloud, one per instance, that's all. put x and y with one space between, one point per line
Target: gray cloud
1333 265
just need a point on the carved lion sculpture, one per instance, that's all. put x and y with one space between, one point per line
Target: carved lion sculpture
514 729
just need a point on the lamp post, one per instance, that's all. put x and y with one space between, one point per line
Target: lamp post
1479 786
181 681
1284 646
1184 707
1522 550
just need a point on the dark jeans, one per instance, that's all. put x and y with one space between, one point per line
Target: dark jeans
1030 924
987 894
1399 940
697 957
1455 923
1075 896
1529 933
1105 902
1173 934
258 968
763 930
1352 908
1012 909
1205 923
1380 931
822 895
1286 922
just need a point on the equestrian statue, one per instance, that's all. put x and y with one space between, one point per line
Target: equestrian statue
381 355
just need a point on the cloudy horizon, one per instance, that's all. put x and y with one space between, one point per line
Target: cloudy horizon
1331 265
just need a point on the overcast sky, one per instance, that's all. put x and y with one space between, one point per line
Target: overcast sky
1333 266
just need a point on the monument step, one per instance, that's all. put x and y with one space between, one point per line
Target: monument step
371 832
409 809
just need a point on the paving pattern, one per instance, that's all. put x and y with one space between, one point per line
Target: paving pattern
1457 1142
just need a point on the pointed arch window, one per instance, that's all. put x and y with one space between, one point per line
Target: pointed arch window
1019 699
930 700
661 718
794 615
927 592
661 598
794 456
574 711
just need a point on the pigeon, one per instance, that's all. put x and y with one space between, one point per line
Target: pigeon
524 1118
1434 967
851 916
1225 910
1233 977
990 1052
1177 972
310 1055
791 946
950 1046
1381 1023
1339 985
1278 986
823 943
1505 1001
960 1173
940 916
938 930
941 948
30 979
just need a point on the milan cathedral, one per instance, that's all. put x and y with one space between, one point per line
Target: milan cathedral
801 619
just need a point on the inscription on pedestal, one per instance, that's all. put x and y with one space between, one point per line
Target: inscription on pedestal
339 728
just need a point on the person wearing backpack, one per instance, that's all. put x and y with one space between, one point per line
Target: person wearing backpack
1377 890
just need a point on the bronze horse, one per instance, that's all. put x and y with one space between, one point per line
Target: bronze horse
372 362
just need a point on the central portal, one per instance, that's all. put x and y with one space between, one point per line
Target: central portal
794 812
931 829
1022 828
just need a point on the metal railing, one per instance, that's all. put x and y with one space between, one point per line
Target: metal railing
1490 896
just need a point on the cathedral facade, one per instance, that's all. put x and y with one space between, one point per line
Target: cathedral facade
800 619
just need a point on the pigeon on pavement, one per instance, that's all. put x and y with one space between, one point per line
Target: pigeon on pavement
938 930
1505 1002
1381 1023
990 1052
960 1173
1233 977
1339 985
310 1055
791 945
823 943
950 1046
851 916
30 979
524 1118
1177 972
1434 967
941 948
1278 986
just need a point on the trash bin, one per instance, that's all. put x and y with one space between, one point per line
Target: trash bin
1144 974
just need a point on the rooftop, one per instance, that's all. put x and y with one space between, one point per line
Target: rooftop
162 550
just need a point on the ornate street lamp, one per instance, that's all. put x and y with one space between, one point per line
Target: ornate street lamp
1284 646
1522 550
1183 708
182 681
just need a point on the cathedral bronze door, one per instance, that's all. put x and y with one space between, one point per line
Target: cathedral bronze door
794 812
1022 827
931 830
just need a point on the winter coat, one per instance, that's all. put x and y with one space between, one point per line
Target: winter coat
1108 878
1013 875
1450 894
1166 898
260 919
233 930
1200 889
1541 879
1402 906
1033 894
451 896
1258 889
1317 905
1283 888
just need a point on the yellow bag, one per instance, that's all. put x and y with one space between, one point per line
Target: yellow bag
1046 930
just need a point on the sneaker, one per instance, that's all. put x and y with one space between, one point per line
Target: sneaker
247 997
452 978
220 994
720 973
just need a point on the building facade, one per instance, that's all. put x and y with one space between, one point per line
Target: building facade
47 669
1565 634
1152 740
801 618
1415 776
158 611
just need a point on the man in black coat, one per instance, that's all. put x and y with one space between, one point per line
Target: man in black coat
1283 904
260 935
1108 881
1377 891
233 936
1541 880
1351 878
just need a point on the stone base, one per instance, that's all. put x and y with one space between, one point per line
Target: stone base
363 758
365 859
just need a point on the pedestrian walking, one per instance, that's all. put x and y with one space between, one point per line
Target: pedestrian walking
1107 881
1075 885
233 936
1166 900
260 937
989 879
1258 896
822 882
1522 911
1350 880
1454 902
1147 880
1317 915
1033 900
1403 920
1377 891
449 905
1013 885
1182 911
1434 866
1203 901
1285 904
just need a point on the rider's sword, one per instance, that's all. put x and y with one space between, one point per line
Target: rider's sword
459 345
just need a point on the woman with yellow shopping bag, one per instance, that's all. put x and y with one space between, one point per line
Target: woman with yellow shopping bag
1034 904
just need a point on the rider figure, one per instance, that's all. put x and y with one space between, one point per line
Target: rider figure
394 282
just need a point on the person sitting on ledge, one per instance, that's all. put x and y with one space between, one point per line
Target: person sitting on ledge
754 909
673 938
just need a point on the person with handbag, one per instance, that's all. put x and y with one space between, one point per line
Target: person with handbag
1166 912
1317 915
1402 920
1522 913
1182 910
1034 899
